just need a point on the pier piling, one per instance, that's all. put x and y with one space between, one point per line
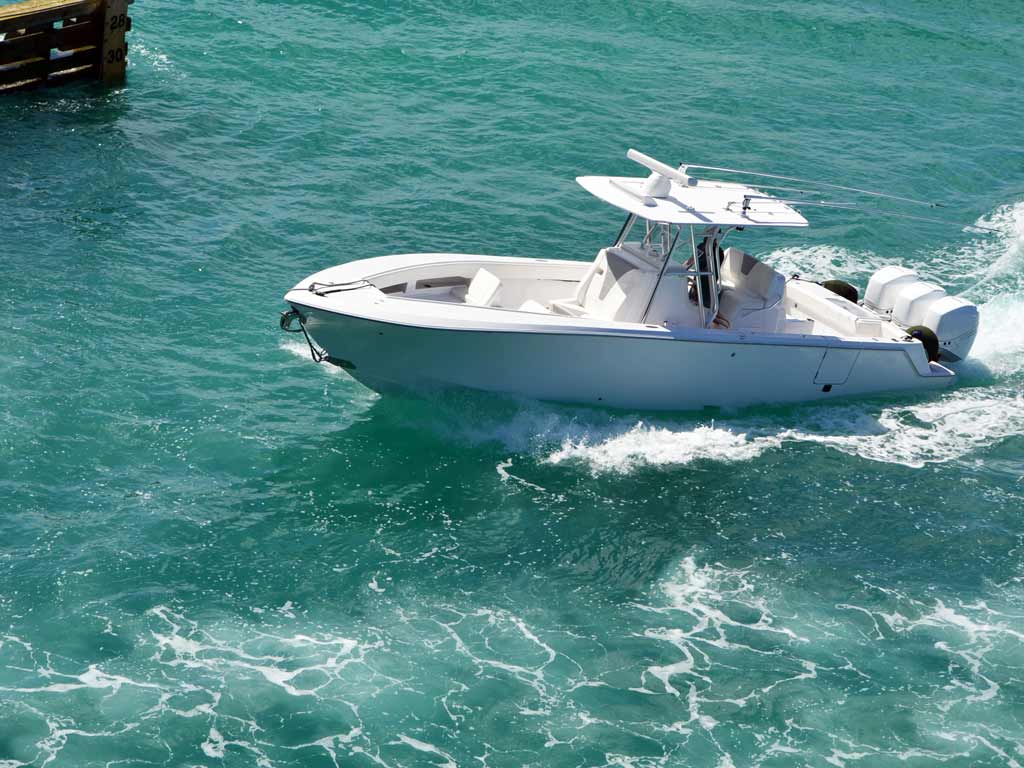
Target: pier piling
51 42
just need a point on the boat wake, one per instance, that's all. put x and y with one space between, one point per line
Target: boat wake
981 269
995 265
1000 341
649 444
946 430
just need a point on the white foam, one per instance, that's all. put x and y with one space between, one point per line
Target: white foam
936 431
158 60
1000 342
653 445
296 656
422 746
996 258
706 608
214 744
969 633
93 677
505 475
822 262
301 349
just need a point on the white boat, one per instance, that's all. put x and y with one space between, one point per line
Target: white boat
667 317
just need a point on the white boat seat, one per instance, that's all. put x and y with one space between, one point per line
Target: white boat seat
745 311
753 277
618 286
752 293
638 252
823 306
483 288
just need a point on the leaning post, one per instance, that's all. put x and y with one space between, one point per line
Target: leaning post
116 23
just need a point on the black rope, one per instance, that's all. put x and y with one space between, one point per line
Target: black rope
318 355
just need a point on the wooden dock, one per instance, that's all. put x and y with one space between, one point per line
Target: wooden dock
51 42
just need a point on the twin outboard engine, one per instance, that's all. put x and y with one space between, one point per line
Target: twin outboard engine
902 296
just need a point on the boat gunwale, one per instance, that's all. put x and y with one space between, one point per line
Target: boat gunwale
745 338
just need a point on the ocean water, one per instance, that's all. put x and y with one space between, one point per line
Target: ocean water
215 552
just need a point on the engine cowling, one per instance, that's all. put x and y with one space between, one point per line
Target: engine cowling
884 287
955 322
910 301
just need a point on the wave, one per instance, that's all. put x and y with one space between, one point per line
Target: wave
821 262
938 431
996 262
949 429
650 445
301 349
1000 343
986 267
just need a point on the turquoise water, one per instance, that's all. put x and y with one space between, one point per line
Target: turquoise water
215 552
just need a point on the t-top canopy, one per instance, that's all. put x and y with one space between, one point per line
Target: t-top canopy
706 203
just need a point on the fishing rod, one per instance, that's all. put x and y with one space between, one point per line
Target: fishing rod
844 206
681 175
684 167
720 184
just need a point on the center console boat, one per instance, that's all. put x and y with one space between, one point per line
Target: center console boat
667 317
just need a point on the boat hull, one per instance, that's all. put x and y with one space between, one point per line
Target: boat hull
613 370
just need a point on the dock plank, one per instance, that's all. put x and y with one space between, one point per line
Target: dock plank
32 13
40 42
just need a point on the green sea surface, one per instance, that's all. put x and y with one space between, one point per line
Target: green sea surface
214 552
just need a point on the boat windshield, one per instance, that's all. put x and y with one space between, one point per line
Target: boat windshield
657 239
699 251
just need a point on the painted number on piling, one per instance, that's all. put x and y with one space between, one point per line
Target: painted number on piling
115 56
118 22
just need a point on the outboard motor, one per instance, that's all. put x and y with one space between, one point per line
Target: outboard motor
955 322
901 295
884 287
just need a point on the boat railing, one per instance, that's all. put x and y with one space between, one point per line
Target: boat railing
714 280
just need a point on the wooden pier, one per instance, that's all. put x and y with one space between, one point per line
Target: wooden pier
51 42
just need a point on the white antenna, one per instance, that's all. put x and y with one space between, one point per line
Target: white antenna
661 169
